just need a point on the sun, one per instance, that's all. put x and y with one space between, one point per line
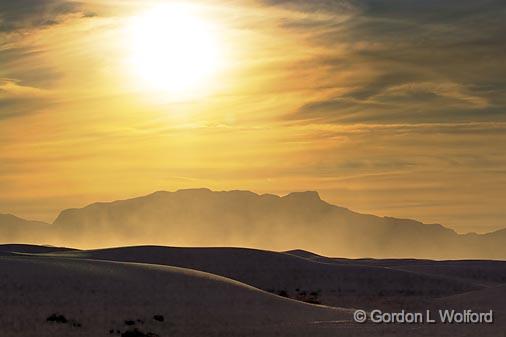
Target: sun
174 50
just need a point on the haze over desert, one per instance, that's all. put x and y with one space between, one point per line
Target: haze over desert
252 168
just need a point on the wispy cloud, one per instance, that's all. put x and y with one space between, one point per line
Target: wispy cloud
17 99
425 61
31 14
380 104
10 88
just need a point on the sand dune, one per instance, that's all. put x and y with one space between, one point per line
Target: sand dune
483 299
77 293
295 277
487 273
30 249
97 296
480 272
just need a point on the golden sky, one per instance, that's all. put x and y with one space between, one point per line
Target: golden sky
387 107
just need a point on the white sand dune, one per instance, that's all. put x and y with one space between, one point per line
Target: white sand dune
487 273
299 278
484 299
98 297
101 295
480 272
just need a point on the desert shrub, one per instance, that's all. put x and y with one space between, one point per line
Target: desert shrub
137 333
57 319
312 301
159 318
283 293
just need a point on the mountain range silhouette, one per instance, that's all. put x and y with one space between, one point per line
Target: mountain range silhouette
201 217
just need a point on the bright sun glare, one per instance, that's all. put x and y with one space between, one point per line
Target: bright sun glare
174 50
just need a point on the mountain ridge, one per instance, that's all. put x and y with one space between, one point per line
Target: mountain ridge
202 217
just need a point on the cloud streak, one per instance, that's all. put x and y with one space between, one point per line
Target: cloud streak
31 14
424 61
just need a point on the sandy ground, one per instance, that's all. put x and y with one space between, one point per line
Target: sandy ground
347 285
84 296
101 295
